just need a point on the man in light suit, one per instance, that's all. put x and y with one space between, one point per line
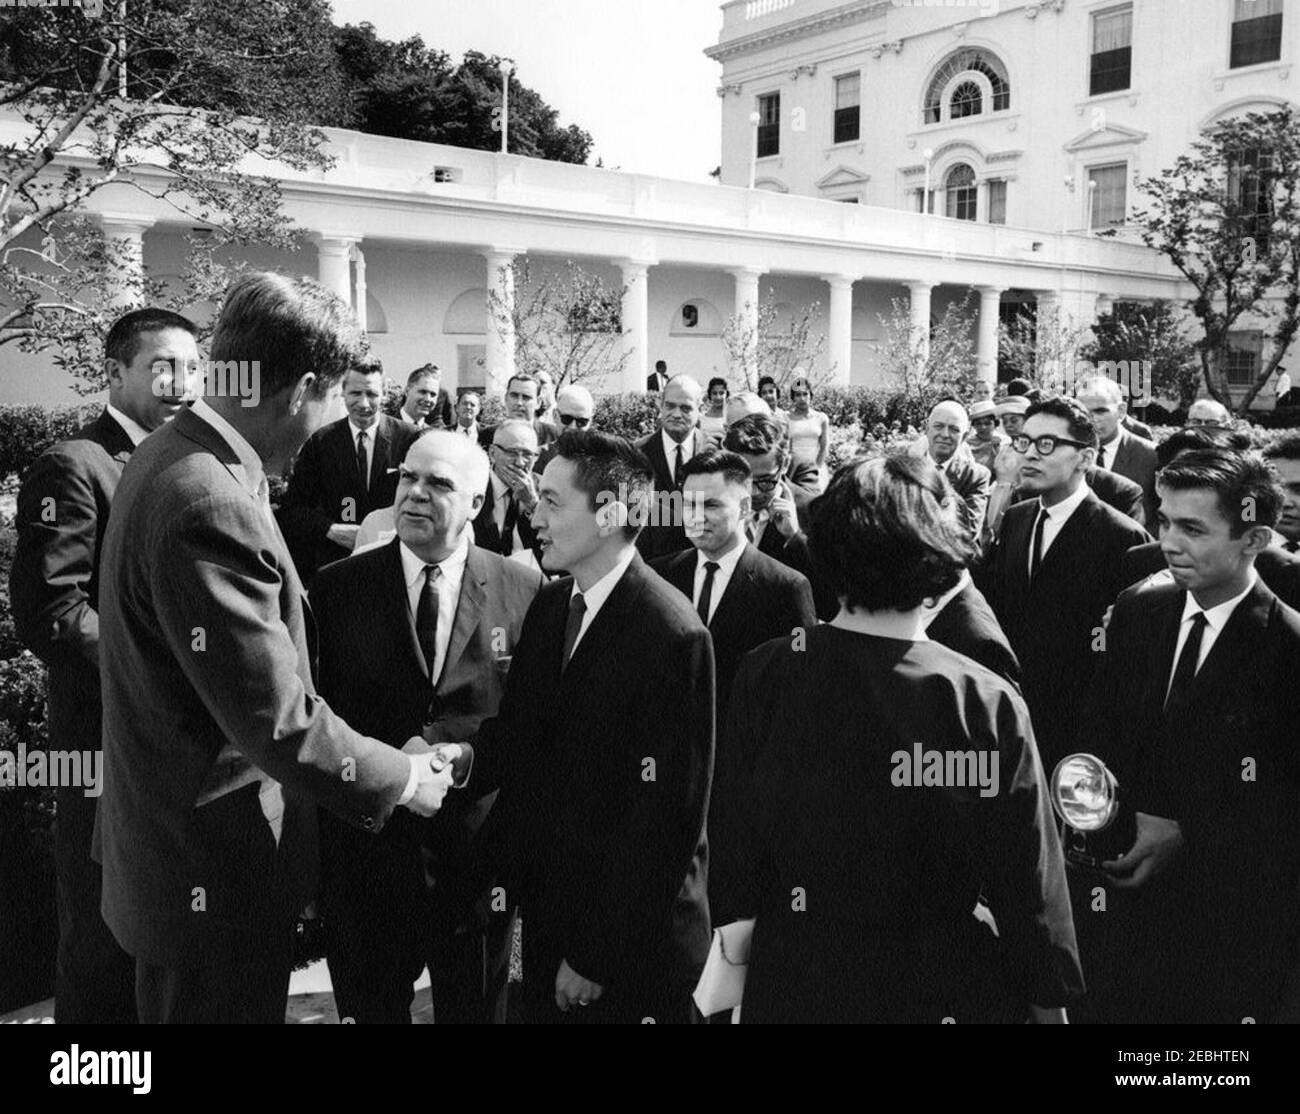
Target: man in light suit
603 747
1055 569
343 472
401 656
216 746
63 508
945 431
1197 718
1119 450
668 449
744 597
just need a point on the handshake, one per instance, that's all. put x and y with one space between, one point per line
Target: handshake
447 767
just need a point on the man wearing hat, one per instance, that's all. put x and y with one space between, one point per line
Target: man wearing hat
985 441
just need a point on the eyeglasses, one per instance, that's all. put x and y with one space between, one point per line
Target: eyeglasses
767 483
1046 445
518 454
1206 423
570 419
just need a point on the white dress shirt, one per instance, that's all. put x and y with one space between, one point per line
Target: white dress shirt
670 451
452 572
595 596
1216 618
726 569
134 429
370 445
1111 448
1057 517
501 495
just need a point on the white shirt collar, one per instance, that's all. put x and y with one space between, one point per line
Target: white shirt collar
595 596
413 566
726 563
1115 441
670 447
370 433
134 429
1061 512
236 440
1218 616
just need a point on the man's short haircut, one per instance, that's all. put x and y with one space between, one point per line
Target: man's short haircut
1017 387
1101 385
477 467
1201 437
511 424
420 373
766 381
754 435
466 394
123 341
524 377
609 466
292 327
661 365
1079 423
886 533
366 364
733 467
1285 448
1247 490
718 381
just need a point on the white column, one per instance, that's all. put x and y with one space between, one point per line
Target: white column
500 361
920 303
987 351
747 311
360 259
636 323
126 236
334 263
841 328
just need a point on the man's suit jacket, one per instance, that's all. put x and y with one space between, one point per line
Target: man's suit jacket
373 673
63 509
325 489
667 534
764 599
1112 489
970 480
655 381
210 708
1137 428
793 552
1053 623
1279 570
1226 767
487 535
604 770
967 625
1135 459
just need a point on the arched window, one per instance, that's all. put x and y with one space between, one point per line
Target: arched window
967 100
962 192
967 60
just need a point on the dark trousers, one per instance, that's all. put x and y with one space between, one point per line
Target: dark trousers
94 978
251 988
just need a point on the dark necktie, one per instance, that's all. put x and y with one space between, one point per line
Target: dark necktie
1101 457
426 618
1037 550
362 470
577 609
706 593
1292 547
1185 671
508 527
677 468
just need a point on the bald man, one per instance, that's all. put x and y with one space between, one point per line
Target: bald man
1209 412
945 431
413 636
669 449
574 409
1119 451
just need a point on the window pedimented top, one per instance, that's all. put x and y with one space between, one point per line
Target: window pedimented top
1113 135
842 176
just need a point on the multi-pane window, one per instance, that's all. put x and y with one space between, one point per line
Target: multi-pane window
1251 183
967 100
1244 346
848 107
1256 32
1109 188
1112 51
769 125
998 202
962 193
918 200
967 59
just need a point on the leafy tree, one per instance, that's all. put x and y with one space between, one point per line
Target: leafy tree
1227 215
168 98
1153 334
767 346
1041 347
926 374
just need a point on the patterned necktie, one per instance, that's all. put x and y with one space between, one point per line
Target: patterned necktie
426 618
363 470
1185 671
577 609
1037 551
677 468
706 593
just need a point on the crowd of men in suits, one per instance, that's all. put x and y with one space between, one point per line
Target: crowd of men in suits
502 699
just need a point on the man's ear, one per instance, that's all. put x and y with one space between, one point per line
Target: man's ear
746 506
301 391
1258 539
476 504
611 516
112 369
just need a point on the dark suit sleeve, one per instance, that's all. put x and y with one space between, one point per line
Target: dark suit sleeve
975 495
58 524
804 611
660 831
216 575
302 514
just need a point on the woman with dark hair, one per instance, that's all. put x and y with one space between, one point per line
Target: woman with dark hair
810 430
877 794
712 417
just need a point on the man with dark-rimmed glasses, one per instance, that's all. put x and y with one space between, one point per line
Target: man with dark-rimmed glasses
1055 569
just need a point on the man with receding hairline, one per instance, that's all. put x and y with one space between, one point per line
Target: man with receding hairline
668 449
945 432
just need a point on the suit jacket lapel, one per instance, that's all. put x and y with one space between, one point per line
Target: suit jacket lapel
659 462
473 594
614 615
1223 663
116 441
730 608
1075 525
379 458
395 607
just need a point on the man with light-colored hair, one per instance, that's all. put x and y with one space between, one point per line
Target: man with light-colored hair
574 409
510 494
412 635
1209 412
669 448
944 441
1120 451
741 406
